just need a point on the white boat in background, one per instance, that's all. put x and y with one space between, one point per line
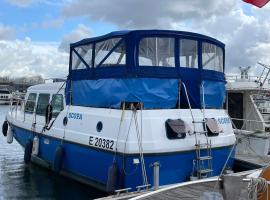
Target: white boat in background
248 104
5 95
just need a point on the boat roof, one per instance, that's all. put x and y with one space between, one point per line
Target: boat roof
126 33
48 87
250 83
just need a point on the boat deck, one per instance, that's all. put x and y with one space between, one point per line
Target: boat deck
194 191
233 187
190 190
179 191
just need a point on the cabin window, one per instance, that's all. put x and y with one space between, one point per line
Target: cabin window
212 57
4 92
85 51
57 104
188 53
104 49
43 102
30 103
155 51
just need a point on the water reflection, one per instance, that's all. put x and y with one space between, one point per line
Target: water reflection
20 181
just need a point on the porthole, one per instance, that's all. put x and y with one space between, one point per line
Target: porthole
99 126
65 121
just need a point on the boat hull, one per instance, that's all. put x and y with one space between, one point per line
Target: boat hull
92 164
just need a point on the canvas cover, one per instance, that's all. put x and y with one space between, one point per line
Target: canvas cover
143 66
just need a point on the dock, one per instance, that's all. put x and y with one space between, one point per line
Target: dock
191 190
195 189
184 191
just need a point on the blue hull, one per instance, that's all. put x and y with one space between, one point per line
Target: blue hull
92 164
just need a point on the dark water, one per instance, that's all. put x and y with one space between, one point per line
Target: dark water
21 181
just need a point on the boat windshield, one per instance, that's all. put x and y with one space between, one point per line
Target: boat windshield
164 51
110 52
156 51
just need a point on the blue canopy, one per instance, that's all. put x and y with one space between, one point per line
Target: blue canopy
146 66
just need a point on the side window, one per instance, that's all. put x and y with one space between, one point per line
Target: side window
57 104
188 53
157 51
116 57
212 57
30 103
43 102
85 51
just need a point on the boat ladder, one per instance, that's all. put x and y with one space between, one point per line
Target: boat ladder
203 162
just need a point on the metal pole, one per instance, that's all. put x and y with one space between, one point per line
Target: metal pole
156 166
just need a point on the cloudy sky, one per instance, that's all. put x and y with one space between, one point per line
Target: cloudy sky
35 34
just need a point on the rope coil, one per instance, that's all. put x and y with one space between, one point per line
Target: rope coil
257 187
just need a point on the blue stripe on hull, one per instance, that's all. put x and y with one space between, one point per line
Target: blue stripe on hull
93 164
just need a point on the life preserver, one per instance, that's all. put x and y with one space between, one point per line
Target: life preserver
28 151
5 128
58 159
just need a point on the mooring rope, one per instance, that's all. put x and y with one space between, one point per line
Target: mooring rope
256 188
119 130
139 138
123 155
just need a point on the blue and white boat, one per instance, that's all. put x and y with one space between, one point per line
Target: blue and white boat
142 107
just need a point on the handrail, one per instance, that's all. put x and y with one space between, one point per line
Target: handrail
189 106
239 77
231 78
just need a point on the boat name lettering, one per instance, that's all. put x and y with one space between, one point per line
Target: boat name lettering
75 116
101 142
224 120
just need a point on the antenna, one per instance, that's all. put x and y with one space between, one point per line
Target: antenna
244 72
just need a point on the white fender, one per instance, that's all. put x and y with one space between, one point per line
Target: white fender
9 135
35 147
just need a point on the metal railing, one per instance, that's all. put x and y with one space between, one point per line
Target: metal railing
239 78
248 122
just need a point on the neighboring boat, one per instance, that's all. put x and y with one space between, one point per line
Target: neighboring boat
139 108
249 108
5 95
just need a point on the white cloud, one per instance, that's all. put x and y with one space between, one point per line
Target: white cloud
246 38
146 14
246 34
79 33
6 32
25 58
